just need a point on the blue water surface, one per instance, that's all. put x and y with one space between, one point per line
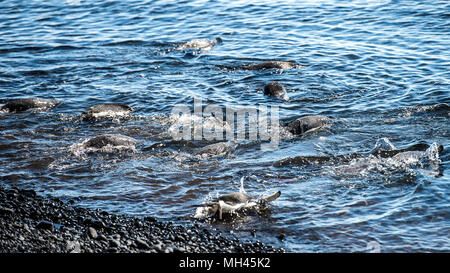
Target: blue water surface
377 68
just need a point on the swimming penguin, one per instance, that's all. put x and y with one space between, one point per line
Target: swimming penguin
216 149
276 89
24 104
101 141
106 110
203 44
233 202
307 124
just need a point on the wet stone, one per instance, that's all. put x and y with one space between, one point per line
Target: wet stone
6 211
112 250
34 222
45 225
102 237
168 250
92 233
114 243
158 248
141 244
95 223
150 219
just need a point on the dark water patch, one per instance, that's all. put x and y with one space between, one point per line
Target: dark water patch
129 43
23 48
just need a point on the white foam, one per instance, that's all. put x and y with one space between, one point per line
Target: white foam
110 114
384 144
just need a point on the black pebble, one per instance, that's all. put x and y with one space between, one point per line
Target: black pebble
44 224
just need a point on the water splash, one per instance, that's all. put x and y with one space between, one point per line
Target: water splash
384 144
241 188
432 153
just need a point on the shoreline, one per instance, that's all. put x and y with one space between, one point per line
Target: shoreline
30 223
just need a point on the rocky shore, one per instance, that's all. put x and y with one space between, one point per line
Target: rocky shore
30 223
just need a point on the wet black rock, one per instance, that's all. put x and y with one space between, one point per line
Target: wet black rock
102 237
270 65
44 224
94 223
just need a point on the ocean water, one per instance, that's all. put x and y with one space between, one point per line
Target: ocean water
379 69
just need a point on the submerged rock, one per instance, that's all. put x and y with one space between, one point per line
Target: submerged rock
44 224
269 65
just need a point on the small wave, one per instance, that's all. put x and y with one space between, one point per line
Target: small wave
33 49
67 47
23 49
126 43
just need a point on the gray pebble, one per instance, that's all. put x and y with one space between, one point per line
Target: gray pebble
26 228
141 244
6 211
168 250
92 233
102 237
114 243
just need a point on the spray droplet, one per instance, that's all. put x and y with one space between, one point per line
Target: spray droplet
241 189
